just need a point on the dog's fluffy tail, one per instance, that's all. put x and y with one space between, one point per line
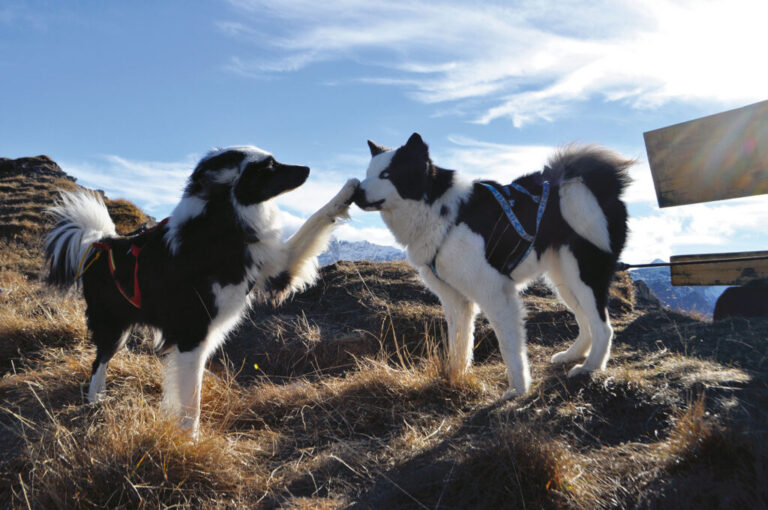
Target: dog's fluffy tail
592 180
81 219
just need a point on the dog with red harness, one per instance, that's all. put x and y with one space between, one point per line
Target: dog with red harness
191 277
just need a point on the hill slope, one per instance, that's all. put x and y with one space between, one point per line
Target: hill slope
346 405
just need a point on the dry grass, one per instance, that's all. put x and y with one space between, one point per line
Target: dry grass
350 407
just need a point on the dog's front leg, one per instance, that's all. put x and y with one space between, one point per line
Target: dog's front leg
460 315
182 387
309 241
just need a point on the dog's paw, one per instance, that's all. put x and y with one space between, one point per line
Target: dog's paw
349 189
564 357
338 207
579 370
510 394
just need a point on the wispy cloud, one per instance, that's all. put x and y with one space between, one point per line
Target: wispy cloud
728 226
530 61
504 162
155 186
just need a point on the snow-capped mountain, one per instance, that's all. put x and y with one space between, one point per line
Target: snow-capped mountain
358 250
689 299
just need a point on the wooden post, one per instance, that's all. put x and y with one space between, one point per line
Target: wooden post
712 158
719 273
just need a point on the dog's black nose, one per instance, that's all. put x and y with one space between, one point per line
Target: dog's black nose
358 197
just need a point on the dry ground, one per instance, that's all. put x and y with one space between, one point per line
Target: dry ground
347 405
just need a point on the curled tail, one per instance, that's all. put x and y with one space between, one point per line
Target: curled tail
592 180
81 219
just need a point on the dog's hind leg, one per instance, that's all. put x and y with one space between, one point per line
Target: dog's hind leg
592 296
460 315
581 346
108 341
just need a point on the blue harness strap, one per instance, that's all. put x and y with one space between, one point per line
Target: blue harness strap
507 204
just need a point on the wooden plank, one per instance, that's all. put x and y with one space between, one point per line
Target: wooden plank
719 273
713 158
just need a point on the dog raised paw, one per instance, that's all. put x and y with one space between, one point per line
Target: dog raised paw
339 205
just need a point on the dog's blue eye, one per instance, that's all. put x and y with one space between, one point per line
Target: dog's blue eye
384 175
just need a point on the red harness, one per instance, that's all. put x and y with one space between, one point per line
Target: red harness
135 250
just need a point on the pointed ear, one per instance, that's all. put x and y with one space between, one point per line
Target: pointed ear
376 149
417 145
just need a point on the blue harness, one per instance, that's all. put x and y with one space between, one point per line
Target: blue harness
507 203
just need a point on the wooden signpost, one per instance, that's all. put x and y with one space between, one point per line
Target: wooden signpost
745 267
713 158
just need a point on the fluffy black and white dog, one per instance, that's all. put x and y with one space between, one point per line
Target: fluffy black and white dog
567 220
190 278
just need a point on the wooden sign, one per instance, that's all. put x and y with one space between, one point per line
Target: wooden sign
713 158
747 267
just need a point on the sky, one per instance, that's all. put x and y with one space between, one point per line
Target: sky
127 96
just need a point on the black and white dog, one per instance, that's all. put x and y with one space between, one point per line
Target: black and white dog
478 242
190 278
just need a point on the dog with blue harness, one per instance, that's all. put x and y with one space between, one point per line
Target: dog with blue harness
475 244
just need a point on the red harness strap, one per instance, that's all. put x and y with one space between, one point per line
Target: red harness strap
135 299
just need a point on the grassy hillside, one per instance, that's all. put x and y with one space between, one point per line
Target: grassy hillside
337 400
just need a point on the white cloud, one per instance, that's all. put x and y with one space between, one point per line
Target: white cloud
503 162
734 225
375 235
533 60
155 186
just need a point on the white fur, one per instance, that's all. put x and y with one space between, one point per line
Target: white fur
184 370
188 207
86 210
582 212
191 206
84 215
98 383
465 279
270 257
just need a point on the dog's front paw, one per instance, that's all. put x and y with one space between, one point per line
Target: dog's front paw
348 190
339 205
510 394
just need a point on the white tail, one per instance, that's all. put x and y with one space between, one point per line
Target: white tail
583 213
81 219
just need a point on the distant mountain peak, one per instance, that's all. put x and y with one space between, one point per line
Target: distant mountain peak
358 250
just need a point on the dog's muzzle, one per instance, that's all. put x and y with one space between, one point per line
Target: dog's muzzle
362 202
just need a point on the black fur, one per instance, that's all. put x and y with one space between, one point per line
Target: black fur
263 180
279 283
59 273
376 149
176 286
606 177
415 176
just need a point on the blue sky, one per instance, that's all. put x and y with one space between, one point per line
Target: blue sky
126 96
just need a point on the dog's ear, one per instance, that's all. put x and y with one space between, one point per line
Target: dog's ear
376 149
227 159
416 146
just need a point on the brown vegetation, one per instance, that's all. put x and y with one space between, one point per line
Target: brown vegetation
347 406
